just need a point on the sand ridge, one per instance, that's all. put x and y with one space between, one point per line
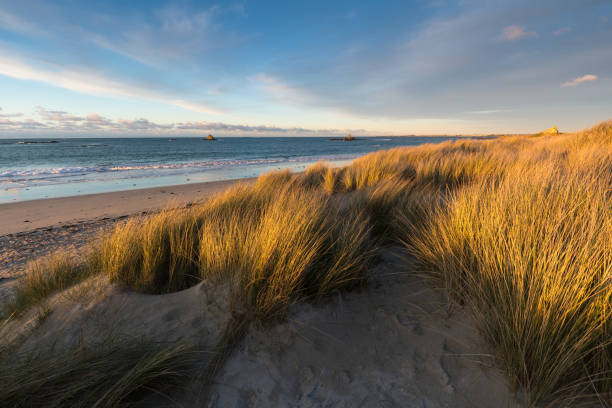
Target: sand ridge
389 345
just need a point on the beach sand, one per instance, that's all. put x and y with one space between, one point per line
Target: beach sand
391 344
30 215
32 229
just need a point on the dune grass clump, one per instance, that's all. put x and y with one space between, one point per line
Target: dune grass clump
374 168
383 200
154 253
314 175
531 253
114 375
301 247
45 277
276 240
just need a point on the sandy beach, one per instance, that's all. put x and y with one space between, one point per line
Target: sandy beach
33 229
31 215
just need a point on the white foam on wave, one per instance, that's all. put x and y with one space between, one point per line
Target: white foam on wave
13 175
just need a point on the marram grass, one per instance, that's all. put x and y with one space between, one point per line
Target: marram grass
530 250
517 228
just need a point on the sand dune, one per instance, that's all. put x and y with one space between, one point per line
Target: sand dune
391 344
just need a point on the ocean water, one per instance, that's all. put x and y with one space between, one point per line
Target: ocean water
41 168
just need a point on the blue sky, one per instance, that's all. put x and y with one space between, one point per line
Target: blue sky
73 68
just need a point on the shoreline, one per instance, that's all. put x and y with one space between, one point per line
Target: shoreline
29 216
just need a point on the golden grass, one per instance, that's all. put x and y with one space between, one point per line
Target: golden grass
518 228
276 240
44 278
529 247
293 248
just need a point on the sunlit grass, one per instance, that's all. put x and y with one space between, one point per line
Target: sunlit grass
44 278
529 248
517 228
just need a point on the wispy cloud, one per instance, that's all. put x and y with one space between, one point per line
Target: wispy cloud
350 15
279 89
10 115
152 36
580 80
61 121
488 111
173 34
90 82
515 32
57 116
11 22
18 125
561 30
210 126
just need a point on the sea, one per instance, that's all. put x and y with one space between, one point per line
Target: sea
33 169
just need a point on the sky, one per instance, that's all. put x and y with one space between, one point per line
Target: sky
303 68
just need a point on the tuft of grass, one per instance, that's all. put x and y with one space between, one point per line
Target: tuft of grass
381 201
154 254
295 249
530 251
277 240
273 179
45 277
314 175
115 375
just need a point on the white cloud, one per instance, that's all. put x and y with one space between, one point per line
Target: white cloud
90 82
276 87
579 80
16 24
282 91
211 126
62 121
10 115
561 30
57 116
514 32
26 124
142 124
488 111
173 34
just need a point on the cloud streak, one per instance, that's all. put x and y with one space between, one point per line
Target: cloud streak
561 30
580 80
89 82
62 121
14 23
10 115
515 32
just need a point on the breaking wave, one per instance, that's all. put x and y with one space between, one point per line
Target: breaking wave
55 172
